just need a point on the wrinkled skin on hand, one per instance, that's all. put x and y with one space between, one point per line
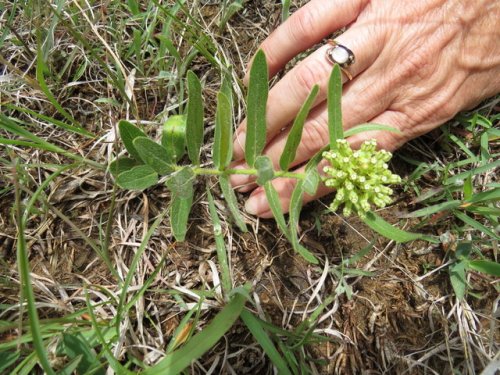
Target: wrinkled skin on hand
418 63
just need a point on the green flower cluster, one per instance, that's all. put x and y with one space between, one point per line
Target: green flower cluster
359 177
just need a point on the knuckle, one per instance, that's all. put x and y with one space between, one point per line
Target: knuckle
315 136
302 25
309 74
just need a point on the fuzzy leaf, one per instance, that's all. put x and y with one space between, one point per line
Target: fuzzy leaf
128 133
173 138
312 178
265 170
275 205
138 178
121 165
295 135
295 208
334 97
153 155
232 202
194 121
181 186
181 183
390 231
258 91
223 142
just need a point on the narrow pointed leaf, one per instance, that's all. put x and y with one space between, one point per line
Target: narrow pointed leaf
295 135
153 155
223 142
121 165
390 231
258 91
294 216
458 279
173 138
275 205
200 343
138 178
128 133
445 206
194 121
334 98
485 266
369 127
220 246
312 178
257 331
265 170
232 202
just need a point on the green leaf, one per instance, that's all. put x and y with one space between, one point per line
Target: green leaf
153 155
75 345
258 332
181 183
476 225
492 195
458 279
128 133
174 137
312 178
295 135
388 230
138 178
232 202
199 344
195 115
181 186
275 206
71 366
334 99
121 165
445 206
223 142
258 91
362 128
485 266
294 216
265 170
468 188
220 246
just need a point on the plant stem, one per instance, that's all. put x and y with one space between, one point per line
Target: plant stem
249 172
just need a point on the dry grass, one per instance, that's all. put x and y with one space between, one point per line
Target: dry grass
396 314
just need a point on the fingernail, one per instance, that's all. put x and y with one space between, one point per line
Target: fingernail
256 203
239 145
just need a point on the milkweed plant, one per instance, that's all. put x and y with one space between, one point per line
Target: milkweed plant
361 178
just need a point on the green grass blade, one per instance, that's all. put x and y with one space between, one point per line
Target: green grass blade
258 91
462 176
177 361
195 114
445 206
492 195
368 128
485 266
476 225
154 155
264 341
334 103
220 246
232 202
388 230
74 345
223 142
26 286
285 10
293 140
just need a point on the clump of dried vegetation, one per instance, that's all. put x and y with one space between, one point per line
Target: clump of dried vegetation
93 280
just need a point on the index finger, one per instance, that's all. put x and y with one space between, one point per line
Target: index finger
306 27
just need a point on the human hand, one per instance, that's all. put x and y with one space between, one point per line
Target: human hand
418 63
